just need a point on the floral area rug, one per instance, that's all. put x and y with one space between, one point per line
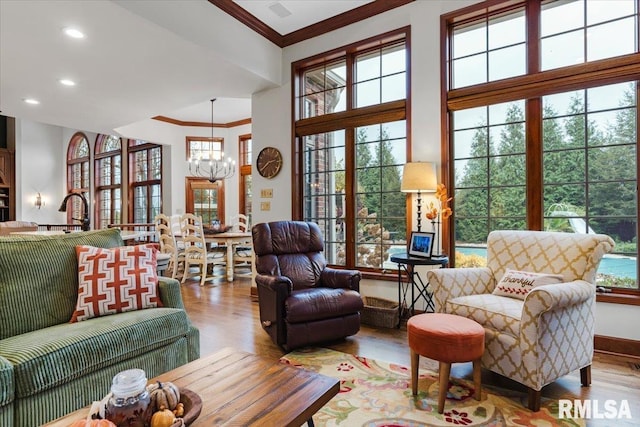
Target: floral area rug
378 394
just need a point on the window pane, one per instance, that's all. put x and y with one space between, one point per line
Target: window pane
381 214
368 93
611 96
314 81
563 103
561 16
324 189
490 172
368 66
470 70
606 10
394 60
394 88
507 62
323 89
601 45
471 117
506 30
562 50
469 40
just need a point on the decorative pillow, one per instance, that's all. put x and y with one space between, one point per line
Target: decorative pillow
517 284
115 280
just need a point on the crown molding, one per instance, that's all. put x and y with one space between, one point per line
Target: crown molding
346 18
202 124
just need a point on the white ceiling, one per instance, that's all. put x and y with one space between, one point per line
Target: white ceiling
138 61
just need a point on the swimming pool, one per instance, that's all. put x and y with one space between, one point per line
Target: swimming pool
614 265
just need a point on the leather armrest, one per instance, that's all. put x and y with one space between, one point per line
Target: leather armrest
335 278
275 283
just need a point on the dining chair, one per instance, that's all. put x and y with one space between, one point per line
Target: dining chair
243 256
196 253
169 245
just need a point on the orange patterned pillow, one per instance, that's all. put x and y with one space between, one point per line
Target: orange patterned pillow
115 280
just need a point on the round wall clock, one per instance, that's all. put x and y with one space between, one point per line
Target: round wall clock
269 162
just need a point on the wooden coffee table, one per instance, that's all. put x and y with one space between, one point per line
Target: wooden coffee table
242 389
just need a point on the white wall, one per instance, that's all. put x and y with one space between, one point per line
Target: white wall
272 127
39 168
41 152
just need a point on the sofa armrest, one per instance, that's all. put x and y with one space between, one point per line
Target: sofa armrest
556 297
449 283
7 382
170 294
335 278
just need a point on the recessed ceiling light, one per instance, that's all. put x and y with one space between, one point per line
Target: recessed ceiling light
67 82
74 32
31 101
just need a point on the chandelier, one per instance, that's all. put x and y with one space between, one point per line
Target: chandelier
213 167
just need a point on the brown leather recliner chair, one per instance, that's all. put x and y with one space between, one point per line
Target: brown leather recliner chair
302 301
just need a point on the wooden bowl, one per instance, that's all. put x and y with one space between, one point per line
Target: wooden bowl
192 405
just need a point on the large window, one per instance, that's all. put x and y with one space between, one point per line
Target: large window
77 174
542 133
351 141
145 181
108 179
245 161
204 198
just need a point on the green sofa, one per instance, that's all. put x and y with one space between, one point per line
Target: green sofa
48 366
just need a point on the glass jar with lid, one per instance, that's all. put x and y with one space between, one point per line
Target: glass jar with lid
129 403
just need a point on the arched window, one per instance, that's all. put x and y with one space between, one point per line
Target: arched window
77 173
145 181
108 181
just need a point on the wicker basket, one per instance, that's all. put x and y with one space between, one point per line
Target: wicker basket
380 312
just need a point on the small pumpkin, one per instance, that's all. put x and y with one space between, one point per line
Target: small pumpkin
163 418
179 411
164 394
93 423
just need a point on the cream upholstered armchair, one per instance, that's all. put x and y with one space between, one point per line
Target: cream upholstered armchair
540 336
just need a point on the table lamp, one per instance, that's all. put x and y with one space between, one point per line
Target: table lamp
419 177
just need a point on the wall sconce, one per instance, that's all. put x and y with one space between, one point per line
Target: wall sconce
39 203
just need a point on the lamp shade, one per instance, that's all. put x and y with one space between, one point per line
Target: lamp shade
419 176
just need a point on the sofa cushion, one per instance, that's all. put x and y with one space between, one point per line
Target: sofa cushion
321 303
115 280
491 311
6 382
518 284
52 356
45 267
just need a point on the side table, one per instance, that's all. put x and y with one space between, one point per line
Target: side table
408 264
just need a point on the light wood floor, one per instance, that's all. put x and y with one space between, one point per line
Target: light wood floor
227 317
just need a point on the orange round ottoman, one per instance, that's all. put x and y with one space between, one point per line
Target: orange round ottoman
447 338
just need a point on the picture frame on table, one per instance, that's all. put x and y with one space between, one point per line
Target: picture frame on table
421 244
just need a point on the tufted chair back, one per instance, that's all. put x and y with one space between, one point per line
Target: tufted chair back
292 249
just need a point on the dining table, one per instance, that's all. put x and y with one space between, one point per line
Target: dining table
229 239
